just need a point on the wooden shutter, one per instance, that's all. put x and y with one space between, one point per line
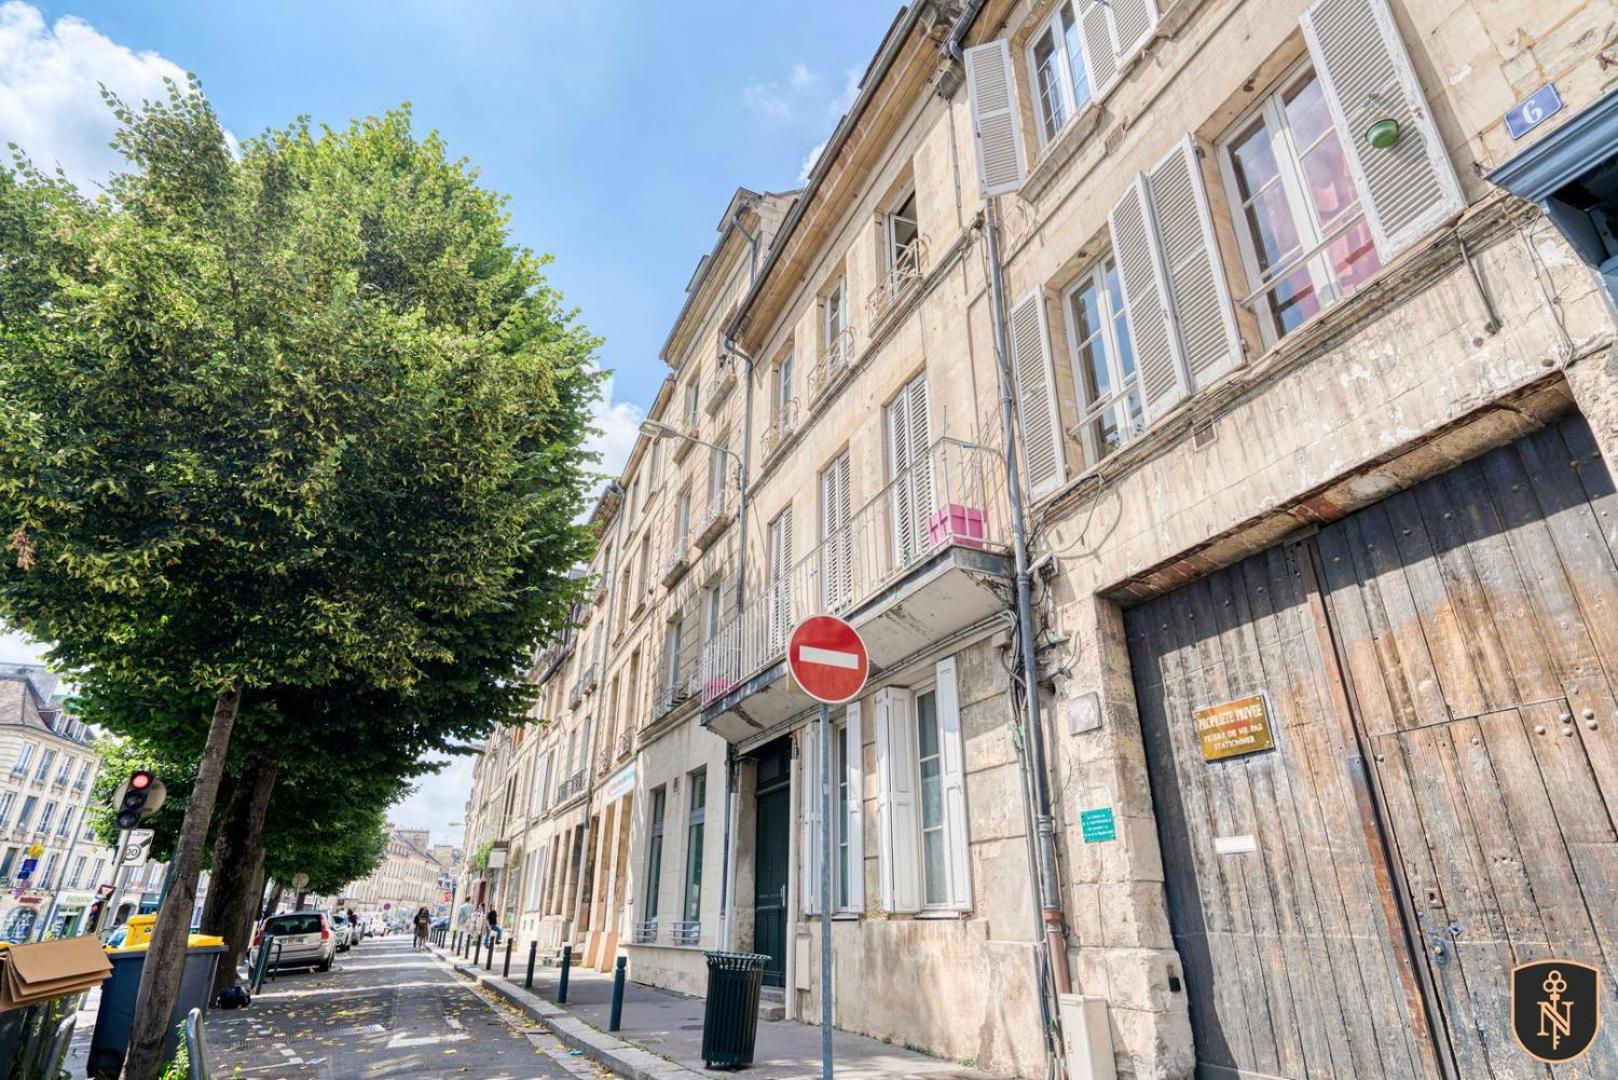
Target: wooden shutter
780 578
1035 378
1410 188
856 807
996 128
1199 294
897 827
1151 328
901 506
1133 22
910 459
921 460
1095 30
809 816
836 545
952 773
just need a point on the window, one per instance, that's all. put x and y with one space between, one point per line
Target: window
1110 412
45 765
910 473
682 518
654 852
95 871
833 316
779 570
64 772
671 658
691 397
8 863
840 774
6 802
84 777
921 796
1057 73
45 818
782 397
718 486
50 869
24 756
78 872
1304 235
836 540
712 606
67 822
697 785
847 785
901 234
644 583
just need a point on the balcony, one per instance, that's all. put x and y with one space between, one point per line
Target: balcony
902 279
715 516
925 558
675 563
683 682
722 381
646 932
837 360
779 433
570 787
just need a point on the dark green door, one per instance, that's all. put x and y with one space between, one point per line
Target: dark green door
772 838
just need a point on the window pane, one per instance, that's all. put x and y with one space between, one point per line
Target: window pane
1293 300
927 724
932 849
1051 110
1253 160
1306 111
1095 382
1075 56
1354 257
1270 224
1115 299
1330 187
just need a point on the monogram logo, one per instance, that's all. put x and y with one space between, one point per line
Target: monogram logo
1555 1008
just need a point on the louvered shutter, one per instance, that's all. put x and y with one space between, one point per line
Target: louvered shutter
856 808
1037 414
921 462
901 504
1095 30
952 773
1410 188
1157 350
1199 295
780 578
809 816
996 128
836 548
1132 23
897 827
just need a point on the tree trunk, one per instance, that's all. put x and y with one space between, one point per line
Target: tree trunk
273 899
165 957
233 887
303 894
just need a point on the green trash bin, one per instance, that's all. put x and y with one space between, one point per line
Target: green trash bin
115 1019
730 1018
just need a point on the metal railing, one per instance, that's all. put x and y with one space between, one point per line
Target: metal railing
905 273
571 786
646 932
954 496
675 562
715 516
838 358
781 428
722 380
685 933
686 682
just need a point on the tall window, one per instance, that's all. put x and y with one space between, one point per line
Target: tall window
1302 227
24 757
935 871
46 817
50 869
67 822
45 765
8 863
64 772
6 802
712 606
654 852
27 813
95 871
1103 363
682 518
692 394
783 386
1057 72
833 316
901 233
780 577
697 785
671 662
78 872
836 539
718 488
910 473
84 777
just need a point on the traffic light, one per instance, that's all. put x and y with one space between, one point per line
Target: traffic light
139 796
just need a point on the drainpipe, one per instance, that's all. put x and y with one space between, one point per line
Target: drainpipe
1050 889
727 920
957 32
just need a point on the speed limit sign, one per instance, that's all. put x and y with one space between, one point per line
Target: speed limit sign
139 847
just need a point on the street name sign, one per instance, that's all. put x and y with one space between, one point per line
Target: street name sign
828 659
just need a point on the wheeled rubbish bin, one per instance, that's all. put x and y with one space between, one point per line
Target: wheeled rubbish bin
115 1020
730 1021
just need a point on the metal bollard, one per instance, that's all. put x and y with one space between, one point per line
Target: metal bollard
615 1020
561 983
533 951
505 972
488 963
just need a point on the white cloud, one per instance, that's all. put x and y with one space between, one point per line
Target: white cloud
809 161
50 98
802 77
438 800
767 101
17 649
786 101
835 108
619 424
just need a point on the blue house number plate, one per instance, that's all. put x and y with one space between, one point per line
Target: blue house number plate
1533 110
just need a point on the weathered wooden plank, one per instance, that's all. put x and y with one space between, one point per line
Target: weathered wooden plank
1383 700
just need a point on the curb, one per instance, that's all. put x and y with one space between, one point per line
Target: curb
609 1051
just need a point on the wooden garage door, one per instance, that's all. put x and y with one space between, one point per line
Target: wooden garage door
1463 637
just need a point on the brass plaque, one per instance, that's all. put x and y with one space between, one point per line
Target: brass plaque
1233 728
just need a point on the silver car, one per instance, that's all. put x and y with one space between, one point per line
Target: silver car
306 938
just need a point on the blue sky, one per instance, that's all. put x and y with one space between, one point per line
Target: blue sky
618 129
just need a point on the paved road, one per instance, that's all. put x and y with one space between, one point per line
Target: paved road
383 1011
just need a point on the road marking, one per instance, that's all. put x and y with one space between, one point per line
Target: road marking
452 1022
810 654
402 1042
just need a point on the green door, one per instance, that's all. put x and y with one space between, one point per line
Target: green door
772 838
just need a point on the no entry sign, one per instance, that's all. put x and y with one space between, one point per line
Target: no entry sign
828 659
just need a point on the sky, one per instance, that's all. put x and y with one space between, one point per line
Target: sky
619 129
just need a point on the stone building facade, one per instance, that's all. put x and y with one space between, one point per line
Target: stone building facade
409 876
1305 311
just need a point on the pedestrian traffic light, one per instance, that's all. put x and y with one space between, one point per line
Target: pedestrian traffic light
138 797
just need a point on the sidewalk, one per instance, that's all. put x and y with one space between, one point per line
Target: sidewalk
661 1036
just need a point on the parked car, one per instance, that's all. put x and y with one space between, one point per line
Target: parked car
346 933
441 923
306 939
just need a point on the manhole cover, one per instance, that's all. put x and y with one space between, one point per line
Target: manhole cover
359 1029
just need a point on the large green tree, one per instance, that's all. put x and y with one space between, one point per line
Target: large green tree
296 417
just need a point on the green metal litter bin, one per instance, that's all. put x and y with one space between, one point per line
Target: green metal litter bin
115 1020
730 1020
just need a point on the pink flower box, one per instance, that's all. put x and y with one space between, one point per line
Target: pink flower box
966 526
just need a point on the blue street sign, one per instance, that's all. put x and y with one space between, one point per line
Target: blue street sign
1533 110
27 868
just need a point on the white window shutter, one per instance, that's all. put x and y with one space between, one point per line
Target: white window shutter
856 808
952 771
809 816
1037 415
1140 269
1410 188
921 456
899 828
996 128
1095 30
1133 22
1199 293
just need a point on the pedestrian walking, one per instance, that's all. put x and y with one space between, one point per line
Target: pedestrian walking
423 922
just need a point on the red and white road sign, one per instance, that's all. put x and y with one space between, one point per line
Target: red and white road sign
828 659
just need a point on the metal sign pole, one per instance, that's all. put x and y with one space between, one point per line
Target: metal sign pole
117 870
826 834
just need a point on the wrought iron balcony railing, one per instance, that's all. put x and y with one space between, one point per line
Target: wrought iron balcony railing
646 932
837 359
722 380
953 496
781 428
902 277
